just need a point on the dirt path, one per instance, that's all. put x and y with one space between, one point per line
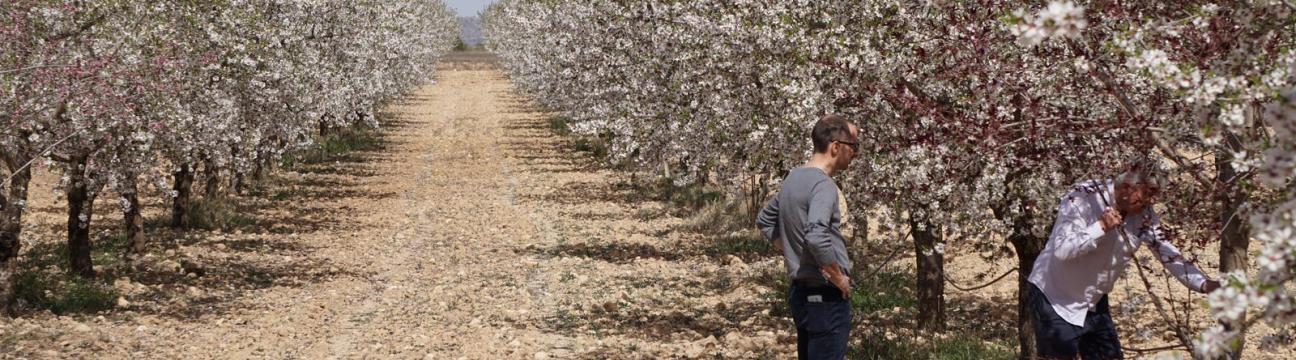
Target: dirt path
476 233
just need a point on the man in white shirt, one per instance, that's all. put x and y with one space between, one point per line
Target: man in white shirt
1099 226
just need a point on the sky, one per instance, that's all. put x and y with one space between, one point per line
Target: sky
468 7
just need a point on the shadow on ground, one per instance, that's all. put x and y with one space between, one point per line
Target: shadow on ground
252 242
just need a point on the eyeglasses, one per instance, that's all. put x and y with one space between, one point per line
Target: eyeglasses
854 146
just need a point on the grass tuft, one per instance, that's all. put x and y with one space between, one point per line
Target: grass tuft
884 291
63 293
689 199
560 125
720 217
957 347
335 146
218 213
595 145
44 283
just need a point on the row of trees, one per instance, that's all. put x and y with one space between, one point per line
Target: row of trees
119 94
975 115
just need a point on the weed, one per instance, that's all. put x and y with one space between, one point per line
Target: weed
559 125
334 146
594 146
44 282
883 291
748 245
218 213
956 347
720 217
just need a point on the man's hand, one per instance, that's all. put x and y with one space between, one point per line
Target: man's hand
1210 286
838 278
1110 219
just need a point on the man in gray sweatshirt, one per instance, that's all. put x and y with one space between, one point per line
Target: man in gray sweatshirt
804 221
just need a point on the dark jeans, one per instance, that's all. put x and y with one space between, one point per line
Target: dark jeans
823 321
1057 339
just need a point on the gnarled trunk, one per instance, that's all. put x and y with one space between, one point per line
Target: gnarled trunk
133 219
239 183
212 179
183 192
1234 238
12 203
1028 248
931 274
80 197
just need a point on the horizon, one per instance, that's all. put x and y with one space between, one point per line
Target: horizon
468 8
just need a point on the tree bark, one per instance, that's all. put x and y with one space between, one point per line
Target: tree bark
80 197
258 171
857 248
12 206
8 275
1028 248
931 274
326 128
212 179
183 192
240 183
264 164
1234 237
134 220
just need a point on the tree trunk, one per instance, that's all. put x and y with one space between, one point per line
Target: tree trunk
212 179
858 247
326 128
258 171
263 165
1234 238
240 183
80 199
134 220
8 275
1028 247
12 205
183 192
931 274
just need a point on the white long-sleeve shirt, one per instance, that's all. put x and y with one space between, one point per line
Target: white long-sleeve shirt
1082 262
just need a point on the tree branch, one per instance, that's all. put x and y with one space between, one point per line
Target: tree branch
34 67
78 30
979 287
1127 107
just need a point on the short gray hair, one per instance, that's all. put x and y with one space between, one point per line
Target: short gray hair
1143 171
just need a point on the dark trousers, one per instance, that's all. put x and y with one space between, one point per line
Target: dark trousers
1057 339
823 321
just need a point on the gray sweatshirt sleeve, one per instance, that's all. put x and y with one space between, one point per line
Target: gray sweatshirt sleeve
818 231
767 220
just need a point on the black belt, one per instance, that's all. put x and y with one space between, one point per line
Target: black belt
811 287
812 282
